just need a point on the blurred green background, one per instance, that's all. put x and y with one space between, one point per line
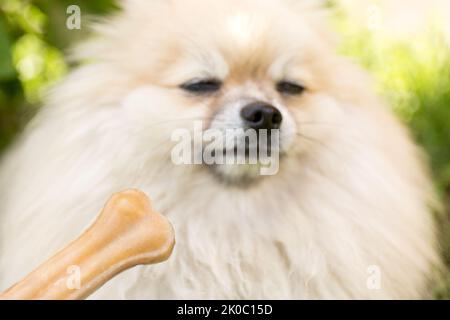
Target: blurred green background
412 72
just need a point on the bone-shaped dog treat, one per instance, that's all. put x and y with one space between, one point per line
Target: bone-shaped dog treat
127 233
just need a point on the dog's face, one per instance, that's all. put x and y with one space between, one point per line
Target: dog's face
232 64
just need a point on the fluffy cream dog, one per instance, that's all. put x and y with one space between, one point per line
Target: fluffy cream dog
347 216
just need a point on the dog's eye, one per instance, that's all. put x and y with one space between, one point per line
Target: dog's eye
290 88
202 86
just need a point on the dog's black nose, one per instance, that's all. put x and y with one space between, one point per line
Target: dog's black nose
260 115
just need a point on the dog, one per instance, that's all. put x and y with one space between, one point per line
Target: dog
348 215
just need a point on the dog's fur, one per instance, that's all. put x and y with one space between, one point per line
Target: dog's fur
352 194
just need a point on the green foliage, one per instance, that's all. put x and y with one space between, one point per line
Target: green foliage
6 66
33 38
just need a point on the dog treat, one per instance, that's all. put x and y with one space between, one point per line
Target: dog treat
127 233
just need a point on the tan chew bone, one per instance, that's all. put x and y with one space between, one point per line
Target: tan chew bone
127 233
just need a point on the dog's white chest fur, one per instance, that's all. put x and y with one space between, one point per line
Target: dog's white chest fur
317 233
